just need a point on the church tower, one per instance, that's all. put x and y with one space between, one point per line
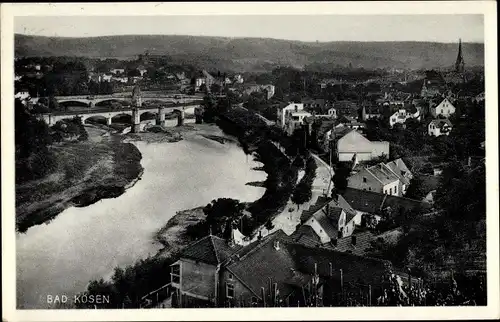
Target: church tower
459 64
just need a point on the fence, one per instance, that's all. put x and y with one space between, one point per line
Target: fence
155 298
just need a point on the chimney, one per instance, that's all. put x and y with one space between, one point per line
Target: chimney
469 161
353 240
277 244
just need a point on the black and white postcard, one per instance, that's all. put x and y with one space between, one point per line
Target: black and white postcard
274 160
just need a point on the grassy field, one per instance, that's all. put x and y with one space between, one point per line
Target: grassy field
86 172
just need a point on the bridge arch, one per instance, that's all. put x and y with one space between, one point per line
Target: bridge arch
96 119
147 115
111 102
124 117
71 103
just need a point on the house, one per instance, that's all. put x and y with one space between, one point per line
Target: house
196 274
369 202
117 71
404 174
238 79
371 111
272 271
330 221
332 135
203 78
358 243
269 89
479 97
120 79
353 143
23 96
317 105
283 110
294 120
403 114
346 108
439 127
429 198
351 122
378 178
105 78
445 108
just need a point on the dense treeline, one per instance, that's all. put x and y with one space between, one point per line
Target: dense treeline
32 140
303 190
128 285
453 237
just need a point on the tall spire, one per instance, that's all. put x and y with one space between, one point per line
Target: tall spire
459 64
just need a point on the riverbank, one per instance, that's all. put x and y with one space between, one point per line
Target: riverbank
102 167
173 235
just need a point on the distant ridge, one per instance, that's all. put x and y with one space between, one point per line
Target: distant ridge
255 54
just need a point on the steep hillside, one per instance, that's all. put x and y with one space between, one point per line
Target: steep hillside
249 54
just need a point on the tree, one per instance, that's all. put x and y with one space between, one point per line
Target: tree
342 173
302 193
215 88
133 73
221 211
298 162
269 225
32 139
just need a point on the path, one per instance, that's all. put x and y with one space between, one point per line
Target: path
289 218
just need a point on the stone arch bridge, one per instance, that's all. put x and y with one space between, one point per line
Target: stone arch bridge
91 101
135 113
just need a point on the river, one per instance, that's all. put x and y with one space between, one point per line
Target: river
80 244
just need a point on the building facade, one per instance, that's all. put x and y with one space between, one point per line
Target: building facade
353 143
445 108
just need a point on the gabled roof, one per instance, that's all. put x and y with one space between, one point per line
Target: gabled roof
355 142
354 267
210 250
400 169
291 266
370 202
363 243
305 233
440 123
382 173
258 263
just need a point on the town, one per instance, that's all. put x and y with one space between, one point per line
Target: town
375 191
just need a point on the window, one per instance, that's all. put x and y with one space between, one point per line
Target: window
364 179
370 188
442 111
229 291
390 191
175 274
395 190
254 301
230 276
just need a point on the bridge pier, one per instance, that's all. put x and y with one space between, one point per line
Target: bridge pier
180 117
160 118
136 120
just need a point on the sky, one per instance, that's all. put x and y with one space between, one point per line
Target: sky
435 28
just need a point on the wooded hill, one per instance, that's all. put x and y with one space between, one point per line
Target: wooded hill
255 54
